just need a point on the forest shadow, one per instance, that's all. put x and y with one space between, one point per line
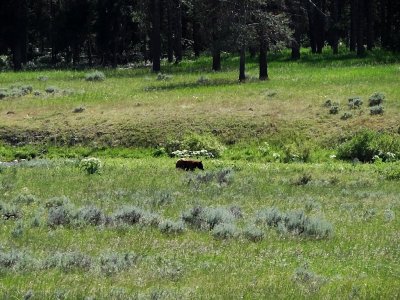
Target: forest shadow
192 85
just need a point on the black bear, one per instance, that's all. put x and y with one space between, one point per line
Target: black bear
189 164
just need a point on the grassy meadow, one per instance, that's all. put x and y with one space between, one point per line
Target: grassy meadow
278 213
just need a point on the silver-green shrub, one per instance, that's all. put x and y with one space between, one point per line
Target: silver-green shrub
91 215
60 216
225 231
15 260
24 199
376 99
318 228
376 110
171 227
207 218
95 76
150 219
253 233
193 216
129 215
308 280
270 216
111 263
224 176
68 261
215 216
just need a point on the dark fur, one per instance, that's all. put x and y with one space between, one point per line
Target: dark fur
189 164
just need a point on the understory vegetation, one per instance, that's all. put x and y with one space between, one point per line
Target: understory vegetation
299 197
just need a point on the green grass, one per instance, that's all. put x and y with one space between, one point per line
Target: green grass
132 120
132 108
360 259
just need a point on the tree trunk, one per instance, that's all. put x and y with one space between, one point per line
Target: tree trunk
296 44
156 36
370 14
216 52
353 26
18 41
360 29
52 33
75 53
178 32
170 32
196 38
263 61
242 67
216 66
17 56
335 15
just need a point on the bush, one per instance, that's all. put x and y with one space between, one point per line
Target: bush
224 176
389 215
3 94
355 102
376 99
91 165
78 109
129 215
376 110
162 198
204 177
225 231
68 261
393 173
24 199
150 219
253 233
171 227
308 280
59 216
111 263
346 116
334 110
215 216
296 222
18 230
57 201
303 179
51 89
297 153
9 212
15 260
95 76
194 216
366 144
91 215
196 142
318 228
271 216
207 218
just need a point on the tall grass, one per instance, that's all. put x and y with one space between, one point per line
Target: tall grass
94 258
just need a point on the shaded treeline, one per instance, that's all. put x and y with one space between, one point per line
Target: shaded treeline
108 32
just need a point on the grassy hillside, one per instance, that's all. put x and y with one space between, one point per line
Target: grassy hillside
134 107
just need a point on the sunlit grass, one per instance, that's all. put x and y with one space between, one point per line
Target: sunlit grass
361 257
133 108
